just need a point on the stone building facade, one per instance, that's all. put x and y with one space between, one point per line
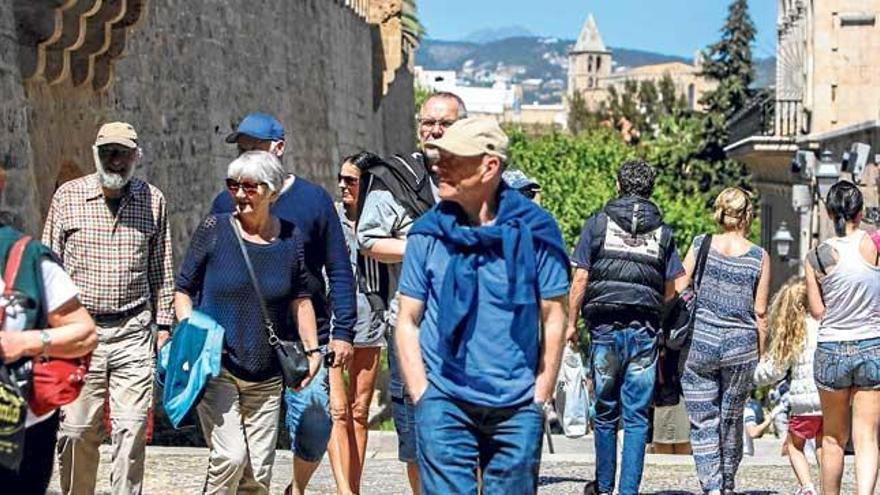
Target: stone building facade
335 72
826 97
590 72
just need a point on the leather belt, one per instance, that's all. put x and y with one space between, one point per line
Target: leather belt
114 319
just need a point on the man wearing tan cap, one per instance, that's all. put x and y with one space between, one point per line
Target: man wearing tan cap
481 322
111 232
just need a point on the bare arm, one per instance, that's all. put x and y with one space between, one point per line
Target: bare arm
302 308
579 281
553 324
761 298
814 295
689 265
406 339
386 250
755 430
183 306
71 332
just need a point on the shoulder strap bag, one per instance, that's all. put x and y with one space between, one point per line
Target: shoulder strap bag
679 321
291 356
55 382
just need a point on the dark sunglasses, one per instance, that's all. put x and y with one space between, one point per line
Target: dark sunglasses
249 188
112 152
349 180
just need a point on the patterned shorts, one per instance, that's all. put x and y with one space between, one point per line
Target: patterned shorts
843 365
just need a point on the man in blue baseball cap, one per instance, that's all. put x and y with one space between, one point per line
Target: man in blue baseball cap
311 209
258 131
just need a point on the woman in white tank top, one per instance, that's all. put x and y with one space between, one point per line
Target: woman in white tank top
843 288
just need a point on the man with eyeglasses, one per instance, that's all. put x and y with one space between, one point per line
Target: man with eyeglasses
310 208
111 232
394 194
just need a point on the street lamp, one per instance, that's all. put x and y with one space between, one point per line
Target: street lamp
827 174
783 240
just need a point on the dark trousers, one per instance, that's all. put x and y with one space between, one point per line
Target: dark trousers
35 471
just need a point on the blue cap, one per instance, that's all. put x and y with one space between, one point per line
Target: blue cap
258 126
518 180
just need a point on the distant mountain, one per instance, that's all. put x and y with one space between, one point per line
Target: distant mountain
541 64
494 34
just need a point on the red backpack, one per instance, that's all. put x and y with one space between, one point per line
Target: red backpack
55 381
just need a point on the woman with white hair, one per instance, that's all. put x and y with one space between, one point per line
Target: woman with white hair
239 409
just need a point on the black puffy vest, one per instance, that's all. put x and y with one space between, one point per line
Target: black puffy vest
628 253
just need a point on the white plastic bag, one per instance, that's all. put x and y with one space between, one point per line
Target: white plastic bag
572 397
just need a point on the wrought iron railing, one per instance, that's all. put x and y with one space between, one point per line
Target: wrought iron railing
766 115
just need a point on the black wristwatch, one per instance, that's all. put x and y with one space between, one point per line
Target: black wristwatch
309 352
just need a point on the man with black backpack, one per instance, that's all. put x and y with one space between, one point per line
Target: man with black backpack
626 268
395 192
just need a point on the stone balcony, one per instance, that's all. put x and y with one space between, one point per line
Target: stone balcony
766 129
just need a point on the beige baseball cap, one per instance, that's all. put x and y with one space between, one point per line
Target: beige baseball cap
473 136
117 133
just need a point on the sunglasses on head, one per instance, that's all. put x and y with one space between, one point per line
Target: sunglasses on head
249 188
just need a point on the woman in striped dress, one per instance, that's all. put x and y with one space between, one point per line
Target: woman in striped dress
727 340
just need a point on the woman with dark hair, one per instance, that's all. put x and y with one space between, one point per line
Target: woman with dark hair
350 403
843 290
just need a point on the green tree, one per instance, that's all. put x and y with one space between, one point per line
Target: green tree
413 30
579 118
729 63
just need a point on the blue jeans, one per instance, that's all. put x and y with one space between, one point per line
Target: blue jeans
623 362
455 437
308 418
844 365
402 410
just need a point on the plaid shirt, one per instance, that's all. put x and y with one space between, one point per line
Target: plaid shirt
118 263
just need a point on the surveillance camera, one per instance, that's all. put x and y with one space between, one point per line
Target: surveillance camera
804 164
855 160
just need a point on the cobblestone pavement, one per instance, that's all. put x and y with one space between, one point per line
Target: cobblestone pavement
181 471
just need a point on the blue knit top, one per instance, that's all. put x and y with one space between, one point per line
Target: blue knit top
215 276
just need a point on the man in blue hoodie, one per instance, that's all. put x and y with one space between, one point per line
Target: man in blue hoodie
626 267
480 325
311 208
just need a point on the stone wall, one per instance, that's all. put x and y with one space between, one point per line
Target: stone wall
189 71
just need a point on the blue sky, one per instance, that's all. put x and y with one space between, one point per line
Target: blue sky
675 27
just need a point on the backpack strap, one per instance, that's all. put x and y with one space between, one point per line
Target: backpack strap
10 272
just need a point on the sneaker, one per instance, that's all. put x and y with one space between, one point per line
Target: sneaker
591 489
807 490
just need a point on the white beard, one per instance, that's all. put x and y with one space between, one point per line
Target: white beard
111 180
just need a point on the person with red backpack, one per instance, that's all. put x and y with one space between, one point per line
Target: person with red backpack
42 323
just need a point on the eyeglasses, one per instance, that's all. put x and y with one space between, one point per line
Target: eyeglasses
430 123
347 179
249 188
112 152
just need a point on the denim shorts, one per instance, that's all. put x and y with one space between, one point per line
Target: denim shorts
308 418
403 411
843 365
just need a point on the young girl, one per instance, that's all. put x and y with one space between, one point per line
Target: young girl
790 352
